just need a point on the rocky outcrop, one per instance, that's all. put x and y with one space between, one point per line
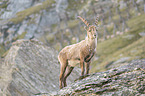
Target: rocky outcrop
127 80
30 68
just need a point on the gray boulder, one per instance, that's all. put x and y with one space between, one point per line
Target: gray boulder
30 68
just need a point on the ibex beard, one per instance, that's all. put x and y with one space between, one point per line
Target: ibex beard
79 53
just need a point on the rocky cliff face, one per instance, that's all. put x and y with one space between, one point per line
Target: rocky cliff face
30 68
34 17
128 80
25 19
14 6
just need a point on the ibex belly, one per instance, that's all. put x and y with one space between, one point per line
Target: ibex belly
73 63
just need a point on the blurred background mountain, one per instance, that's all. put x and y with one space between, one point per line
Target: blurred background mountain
121 31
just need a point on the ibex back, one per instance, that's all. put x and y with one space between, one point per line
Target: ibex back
79 53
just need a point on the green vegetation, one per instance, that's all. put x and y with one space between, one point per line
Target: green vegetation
75 5
3 6
20 36
72 23
130 44
2 50
32 10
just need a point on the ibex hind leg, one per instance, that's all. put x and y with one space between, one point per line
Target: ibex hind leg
67 73
62 71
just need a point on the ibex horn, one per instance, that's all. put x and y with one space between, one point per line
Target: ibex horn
96 22
97 19
85 21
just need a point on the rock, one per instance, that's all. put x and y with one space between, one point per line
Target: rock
128 37
30 68
120 62
142 34
127 80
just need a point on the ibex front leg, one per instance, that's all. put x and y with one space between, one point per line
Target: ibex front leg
87 65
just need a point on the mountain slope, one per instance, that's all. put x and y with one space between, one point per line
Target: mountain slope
127 47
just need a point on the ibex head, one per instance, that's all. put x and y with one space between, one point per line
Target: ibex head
91 29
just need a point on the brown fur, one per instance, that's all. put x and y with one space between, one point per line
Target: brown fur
79 53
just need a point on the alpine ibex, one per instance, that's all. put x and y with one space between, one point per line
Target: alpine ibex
78 53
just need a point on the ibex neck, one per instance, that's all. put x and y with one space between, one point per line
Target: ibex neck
92 42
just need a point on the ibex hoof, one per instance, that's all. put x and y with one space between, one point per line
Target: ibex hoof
84 76
87 75
60 87
81 77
